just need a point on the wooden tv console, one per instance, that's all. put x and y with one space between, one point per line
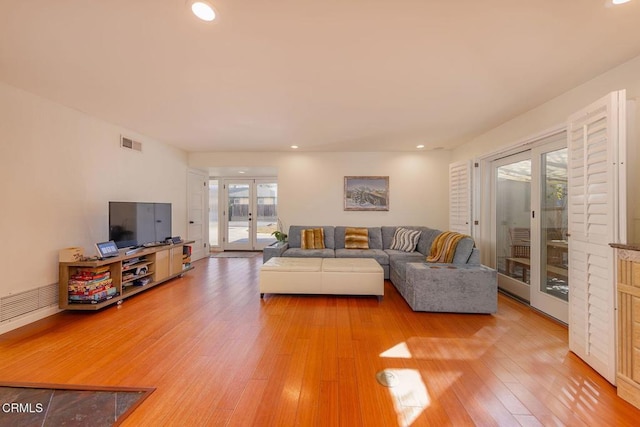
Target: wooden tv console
154 266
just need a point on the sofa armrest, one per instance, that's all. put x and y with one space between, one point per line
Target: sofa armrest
452 288
474 258
274 250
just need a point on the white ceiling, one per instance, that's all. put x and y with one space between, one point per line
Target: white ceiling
332 75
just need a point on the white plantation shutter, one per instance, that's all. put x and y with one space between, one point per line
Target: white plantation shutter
597 217
460 197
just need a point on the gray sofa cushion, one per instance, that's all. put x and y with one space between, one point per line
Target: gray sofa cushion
463 251
309 253
400 268
375 237
377 254
426 239
295 239
402 256
474 258
399 259
387 235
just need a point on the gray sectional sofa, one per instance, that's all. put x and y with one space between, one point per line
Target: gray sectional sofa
425 286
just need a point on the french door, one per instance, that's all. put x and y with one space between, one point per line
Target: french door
530 225
512 223
250 213
549 223
595 198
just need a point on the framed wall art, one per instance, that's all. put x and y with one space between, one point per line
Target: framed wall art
366 193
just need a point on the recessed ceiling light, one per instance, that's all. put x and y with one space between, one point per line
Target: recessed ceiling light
620 1
420 146
203 10
294 146
241 172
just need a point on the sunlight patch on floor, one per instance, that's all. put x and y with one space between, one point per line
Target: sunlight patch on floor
435 348
409 394
400 351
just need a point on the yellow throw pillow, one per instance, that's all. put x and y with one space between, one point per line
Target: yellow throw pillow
312 238
356 238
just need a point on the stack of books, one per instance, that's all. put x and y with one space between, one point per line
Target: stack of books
91 285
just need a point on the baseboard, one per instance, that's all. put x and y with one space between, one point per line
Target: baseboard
34 316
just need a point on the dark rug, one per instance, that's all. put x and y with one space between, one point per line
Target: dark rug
29 405
235 254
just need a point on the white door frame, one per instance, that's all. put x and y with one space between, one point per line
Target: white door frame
483 190
252 243
484 197
511 285
542 301
219 228
260 244
197 214
247 245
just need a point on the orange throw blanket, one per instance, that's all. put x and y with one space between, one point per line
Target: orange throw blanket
444 246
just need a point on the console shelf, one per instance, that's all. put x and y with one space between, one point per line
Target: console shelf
113 279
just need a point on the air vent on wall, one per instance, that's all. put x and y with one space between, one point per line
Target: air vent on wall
130 144
16 305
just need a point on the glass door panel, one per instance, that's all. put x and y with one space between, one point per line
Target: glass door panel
551 276
266 213
214 223
513 224
554 247
239 216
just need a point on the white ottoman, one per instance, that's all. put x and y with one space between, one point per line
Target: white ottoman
291 276
352 276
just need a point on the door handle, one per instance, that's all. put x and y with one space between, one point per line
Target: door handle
191 222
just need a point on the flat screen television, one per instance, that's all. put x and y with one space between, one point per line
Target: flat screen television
139 223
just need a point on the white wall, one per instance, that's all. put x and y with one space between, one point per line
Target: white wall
59 169
311 185
556 111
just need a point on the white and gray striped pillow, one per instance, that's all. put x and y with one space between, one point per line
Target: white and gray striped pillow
405 240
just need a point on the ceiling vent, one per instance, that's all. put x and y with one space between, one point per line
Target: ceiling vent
130 144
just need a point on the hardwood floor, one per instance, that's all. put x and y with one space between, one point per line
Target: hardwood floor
219 355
